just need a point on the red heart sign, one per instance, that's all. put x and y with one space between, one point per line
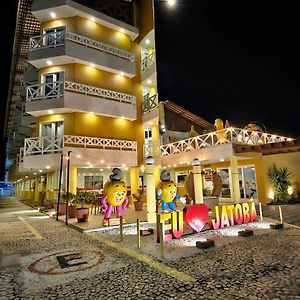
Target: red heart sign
196 216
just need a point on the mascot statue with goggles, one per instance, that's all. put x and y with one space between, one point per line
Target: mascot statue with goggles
167 193
115 196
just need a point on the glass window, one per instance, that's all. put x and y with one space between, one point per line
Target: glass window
224 174
247 180
93 182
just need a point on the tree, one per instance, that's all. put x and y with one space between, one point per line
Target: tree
280 180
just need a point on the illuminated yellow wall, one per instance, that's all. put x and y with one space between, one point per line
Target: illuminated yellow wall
289 160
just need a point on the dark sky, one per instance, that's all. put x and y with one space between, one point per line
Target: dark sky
238 60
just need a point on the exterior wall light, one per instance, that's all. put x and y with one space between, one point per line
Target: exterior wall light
196 162
149 160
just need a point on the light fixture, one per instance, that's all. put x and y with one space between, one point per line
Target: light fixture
52 14
147 41
196 162
49 62
92 19
122 117
101 170
48 167
122 30
171 2
222 159
26 176
78 155
91 112
122 73
34 173
149 81
88 162
50 111
40 171
123 165
102 161
174 165
92 65
91 166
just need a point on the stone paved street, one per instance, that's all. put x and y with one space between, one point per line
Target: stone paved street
291 213
44 259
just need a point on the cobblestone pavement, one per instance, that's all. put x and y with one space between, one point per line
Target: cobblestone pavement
44 259
291 213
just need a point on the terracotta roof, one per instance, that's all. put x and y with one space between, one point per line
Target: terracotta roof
187 114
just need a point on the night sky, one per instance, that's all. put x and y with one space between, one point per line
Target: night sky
237 60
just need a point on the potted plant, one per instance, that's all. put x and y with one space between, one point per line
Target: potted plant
280 180
138 203
62 206
83 199
71 204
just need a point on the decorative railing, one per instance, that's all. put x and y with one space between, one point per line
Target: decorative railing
149 103
55 144
43 145
152 149
225 136
56 39
57 89
148 61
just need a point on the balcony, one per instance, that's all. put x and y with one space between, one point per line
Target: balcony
67 96
148 66
214 146
149 107
41 10
64 47
95 150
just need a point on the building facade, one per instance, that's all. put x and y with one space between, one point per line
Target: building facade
89 95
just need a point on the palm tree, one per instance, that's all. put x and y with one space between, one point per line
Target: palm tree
280 180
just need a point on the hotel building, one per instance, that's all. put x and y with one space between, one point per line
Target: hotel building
84 82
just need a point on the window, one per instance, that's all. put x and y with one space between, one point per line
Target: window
93 182
224 174
247 181
181 178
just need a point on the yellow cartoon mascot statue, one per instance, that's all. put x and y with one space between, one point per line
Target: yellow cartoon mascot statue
167 193
115 196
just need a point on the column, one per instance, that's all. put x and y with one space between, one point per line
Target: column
151 196
36 189
134 181
73 180
235 186
198 188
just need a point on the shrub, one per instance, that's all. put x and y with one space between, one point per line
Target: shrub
280 180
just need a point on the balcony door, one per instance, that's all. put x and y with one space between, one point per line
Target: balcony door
53 84
148 141
52 136
54 36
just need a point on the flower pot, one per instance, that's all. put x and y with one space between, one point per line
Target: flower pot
82 214
72 211
61 209
138 205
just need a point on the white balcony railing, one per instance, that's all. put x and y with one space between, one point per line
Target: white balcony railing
148 61
57 89
149 103
228 135
56 39
55 144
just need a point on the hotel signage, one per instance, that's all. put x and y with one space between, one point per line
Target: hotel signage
196 217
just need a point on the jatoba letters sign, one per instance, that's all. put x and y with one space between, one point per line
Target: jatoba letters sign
196 217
